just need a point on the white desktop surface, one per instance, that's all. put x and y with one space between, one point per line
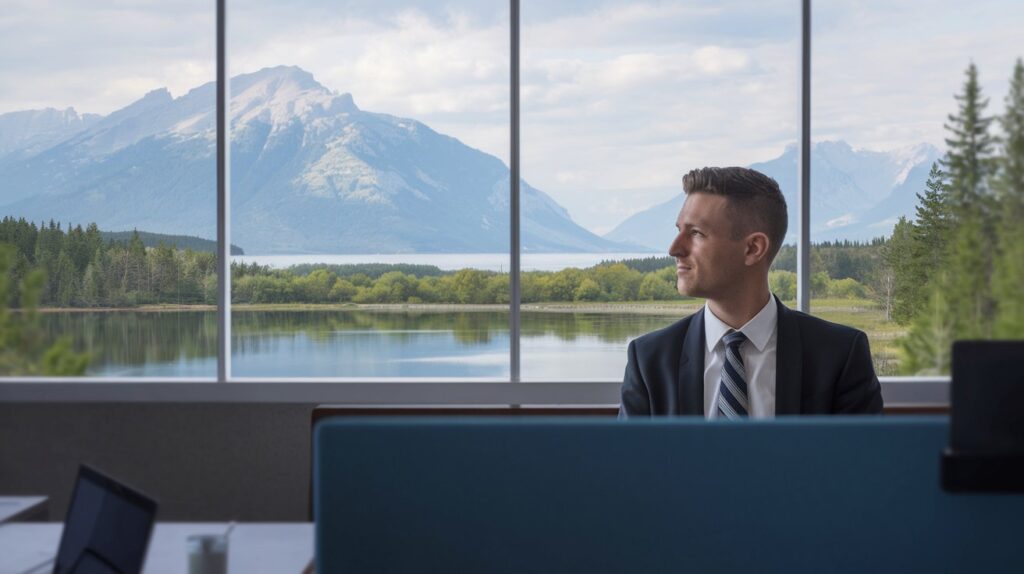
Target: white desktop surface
11 506
253 547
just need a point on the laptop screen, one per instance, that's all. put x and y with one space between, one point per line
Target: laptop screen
107 528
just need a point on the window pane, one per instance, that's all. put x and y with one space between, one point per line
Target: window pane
619 100
369 189
913 257
108 190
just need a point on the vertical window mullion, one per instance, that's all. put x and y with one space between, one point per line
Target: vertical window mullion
803 249
514 284
223 235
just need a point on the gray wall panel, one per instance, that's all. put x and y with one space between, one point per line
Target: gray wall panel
203 461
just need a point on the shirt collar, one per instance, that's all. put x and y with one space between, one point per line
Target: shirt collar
758 329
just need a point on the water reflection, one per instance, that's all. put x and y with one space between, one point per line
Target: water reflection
355 343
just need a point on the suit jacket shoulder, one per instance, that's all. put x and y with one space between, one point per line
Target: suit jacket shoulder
836 372
665 338
653 383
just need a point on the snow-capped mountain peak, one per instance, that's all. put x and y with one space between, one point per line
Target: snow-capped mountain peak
310 173
279 95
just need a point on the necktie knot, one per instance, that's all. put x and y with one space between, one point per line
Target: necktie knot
733 339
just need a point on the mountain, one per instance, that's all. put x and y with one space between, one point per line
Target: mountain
855 194
311 172
32 131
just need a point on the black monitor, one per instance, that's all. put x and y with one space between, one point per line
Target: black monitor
988 391
107 527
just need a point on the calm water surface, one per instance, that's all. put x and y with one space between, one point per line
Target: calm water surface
354 343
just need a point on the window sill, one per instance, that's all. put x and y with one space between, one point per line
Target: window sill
897 391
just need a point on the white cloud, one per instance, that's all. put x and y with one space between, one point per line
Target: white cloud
841 221
618 96
719 60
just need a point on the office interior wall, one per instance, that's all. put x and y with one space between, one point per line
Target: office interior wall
202 461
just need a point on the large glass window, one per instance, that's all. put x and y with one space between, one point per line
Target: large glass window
107 189
915 202
370 189
370 195
619 100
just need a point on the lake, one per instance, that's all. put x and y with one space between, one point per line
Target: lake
355 343
452 261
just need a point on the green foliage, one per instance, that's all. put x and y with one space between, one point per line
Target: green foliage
180 242
644 265
969 161
659 286
901 256
783 284
927 346
24 349
588 290
963 275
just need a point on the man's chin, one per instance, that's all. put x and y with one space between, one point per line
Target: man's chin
687 290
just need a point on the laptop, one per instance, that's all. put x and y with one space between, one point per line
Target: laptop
987 394
107 528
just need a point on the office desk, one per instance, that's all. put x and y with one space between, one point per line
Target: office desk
23 508
254 547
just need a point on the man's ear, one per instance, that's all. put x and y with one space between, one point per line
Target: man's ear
757 248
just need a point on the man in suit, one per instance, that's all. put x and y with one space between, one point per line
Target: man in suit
744 354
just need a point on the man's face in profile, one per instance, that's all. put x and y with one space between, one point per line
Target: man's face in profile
709 262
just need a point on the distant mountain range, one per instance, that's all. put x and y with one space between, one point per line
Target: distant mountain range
855 194
311 173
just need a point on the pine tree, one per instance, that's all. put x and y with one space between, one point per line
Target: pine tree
957 210
24 345
908 288
1008 183
66 280
927 347
968 161
1008 274
931 229
967 287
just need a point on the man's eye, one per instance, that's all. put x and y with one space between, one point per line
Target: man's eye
695 232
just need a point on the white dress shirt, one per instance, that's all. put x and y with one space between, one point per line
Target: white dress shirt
758 354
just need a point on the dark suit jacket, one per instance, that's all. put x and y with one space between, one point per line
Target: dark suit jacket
821 368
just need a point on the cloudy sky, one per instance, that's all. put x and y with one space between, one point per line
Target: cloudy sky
618 98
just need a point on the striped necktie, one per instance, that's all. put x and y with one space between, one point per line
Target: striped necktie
732 396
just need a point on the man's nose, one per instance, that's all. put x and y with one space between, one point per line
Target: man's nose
679 247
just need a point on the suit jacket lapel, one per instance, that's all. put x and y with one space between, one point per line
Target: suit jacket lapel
691 368
788 363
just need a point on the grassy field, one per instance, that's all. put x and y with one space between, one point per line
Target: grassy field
867 316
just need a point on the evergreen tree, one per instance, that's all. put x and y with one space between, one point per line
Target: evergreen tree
24 348
927 347
908 290
968 161
960 304
931 229
1008 183
66 280
967 286
90 286
1008 275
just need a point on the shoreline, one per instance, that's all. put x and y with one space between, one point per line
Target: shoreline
653 308
673 308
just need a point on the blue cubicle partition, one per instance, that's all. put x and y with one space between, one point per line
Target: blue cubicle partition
672 495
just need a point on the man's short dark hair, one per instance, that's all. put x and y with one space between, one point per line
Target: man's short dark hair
755 201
